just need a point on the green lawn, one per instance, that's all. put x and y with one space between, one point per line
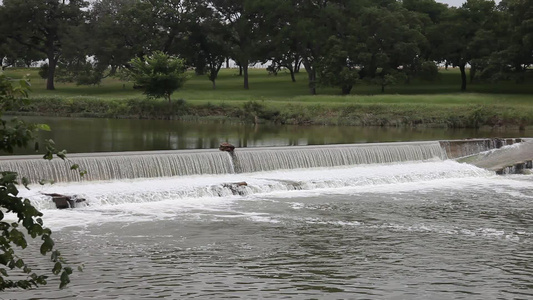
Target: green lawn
265 87
419 102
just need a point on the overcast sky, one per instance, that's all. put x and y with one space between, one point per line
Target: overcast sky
452 2
449 2
457 2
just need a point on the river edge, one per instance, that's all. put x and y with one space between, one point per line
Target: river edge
506 117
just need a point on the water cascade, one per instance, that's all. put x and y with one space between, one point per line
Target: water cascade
113 166
129 165
264 159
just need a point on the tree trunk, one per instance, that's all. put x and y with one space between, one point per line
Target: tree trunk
214 85
240 70
245 72
292 75
52 63
297 63
463 77
473 71
227 63
311 75
347 89
199 71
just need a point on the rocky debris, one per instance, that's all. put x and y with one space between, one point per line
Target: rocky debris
227 147
519 168
236 187
64 201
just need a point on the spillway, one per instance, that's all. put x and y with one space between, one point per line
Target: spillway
153 164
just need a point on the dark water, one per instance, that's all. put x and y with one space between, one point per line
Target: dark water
79 135
434 230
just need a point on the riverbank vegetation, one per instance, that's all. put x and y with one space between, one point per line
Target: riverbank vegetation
337 43
277 99
397 63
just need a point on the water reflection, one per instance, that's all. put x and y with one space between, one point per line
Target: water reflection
102 135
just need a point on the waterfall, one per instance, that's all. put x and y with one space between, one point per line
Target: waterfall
128 165
125 165
253 160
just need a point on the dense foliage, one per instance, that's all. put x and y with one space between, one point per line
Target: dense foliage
158 75
337 42
13 234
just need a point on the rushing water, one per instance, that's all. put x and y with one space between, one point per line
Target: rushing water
429 229
80 135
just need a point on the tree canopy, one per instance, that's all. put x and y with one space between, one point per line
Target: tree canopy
338 42
158 75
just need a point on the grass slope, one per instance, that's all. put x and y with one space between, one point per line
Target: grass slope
277 99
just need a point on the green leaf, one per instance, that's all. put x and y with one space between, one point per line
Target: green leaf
47 245
65 280
57 268
48 155
74 167
19 264
9 176
43 127
62 154
68 270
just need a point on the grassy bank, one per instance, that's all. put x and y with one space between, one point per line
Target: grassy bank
277 99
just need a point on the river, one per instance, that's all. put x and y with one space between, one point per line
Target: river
417 230
426 228
105 135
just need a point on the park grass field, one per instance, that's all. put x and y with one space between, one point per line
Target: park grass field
419 102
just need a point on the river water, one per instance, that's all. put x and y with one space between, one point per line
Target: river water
80 135
433 229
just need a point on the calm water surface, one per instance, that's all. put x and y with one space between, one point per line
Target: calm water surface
80 135
425 230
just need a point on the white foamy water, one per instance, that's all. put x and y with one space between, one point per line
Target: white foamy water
413 230
160 198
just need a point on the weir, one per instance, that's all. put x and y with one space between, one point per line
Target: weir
120 165
129 165
277 158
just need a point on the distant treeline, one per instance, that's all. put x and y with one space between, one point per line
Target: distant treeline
337 42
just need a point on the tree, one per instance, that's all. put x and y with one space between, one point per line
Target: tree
159 74
43 26
244 18
336 68
117 36
280 46
14 54
467 36
215 48
514 36
311 27
16 133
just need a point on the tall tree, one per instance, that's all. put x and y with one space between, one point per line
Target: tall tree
466 35
244 18
43 26
311 28
515 38
122 30
280 46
